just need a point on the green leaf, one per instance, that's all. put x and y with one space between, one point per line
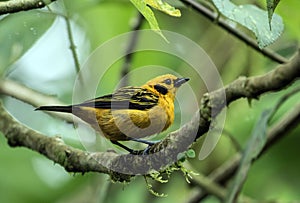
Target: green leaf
19 32
164 7
149 15
254 19
271 6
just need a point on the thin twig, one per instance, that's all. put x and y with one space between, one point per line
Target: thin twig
222 23
72 43
72 47
214 188
138 21
233 140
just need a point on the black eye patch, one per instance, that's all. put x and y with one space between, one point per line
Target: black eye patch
161 89
168 81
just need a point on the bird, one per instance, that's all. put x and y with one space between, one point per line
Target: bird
130 113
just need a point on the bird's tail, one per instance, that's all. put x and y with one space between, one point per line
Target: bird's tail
66 109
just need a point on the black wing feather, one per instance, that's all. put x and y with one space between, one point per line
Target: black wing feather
125 98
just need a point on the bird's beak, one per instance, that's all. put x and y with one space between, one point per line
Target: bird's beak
178 82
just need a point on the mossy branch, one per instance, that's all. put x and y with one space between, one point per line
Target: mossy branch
21 5
161 154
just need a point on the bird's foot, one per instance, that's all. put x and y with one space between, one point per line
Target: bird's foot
131 151
148 142
137 152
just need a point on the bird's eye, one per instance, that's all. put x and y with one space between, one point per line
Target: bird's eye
168 81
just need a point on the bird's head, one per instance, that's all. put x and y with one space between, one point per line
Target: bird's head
167 84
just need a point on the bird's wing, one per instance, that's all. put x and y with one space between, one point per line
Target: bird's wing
125 98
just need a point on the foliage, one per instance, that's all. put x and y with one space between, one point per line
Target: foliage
254 19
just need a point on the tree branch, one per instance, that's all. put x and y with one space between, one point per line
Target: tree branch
32 97
21 5
223 24
122 167
73 160
214 188
247 87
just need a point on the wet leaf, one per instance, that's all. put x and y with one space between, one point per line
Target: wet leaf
18 34
253 18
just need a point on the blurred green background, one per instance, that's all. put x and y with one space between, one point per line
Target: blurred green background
35 52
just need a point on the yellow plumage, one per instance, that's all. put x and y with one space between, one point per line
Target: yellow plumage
130 113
